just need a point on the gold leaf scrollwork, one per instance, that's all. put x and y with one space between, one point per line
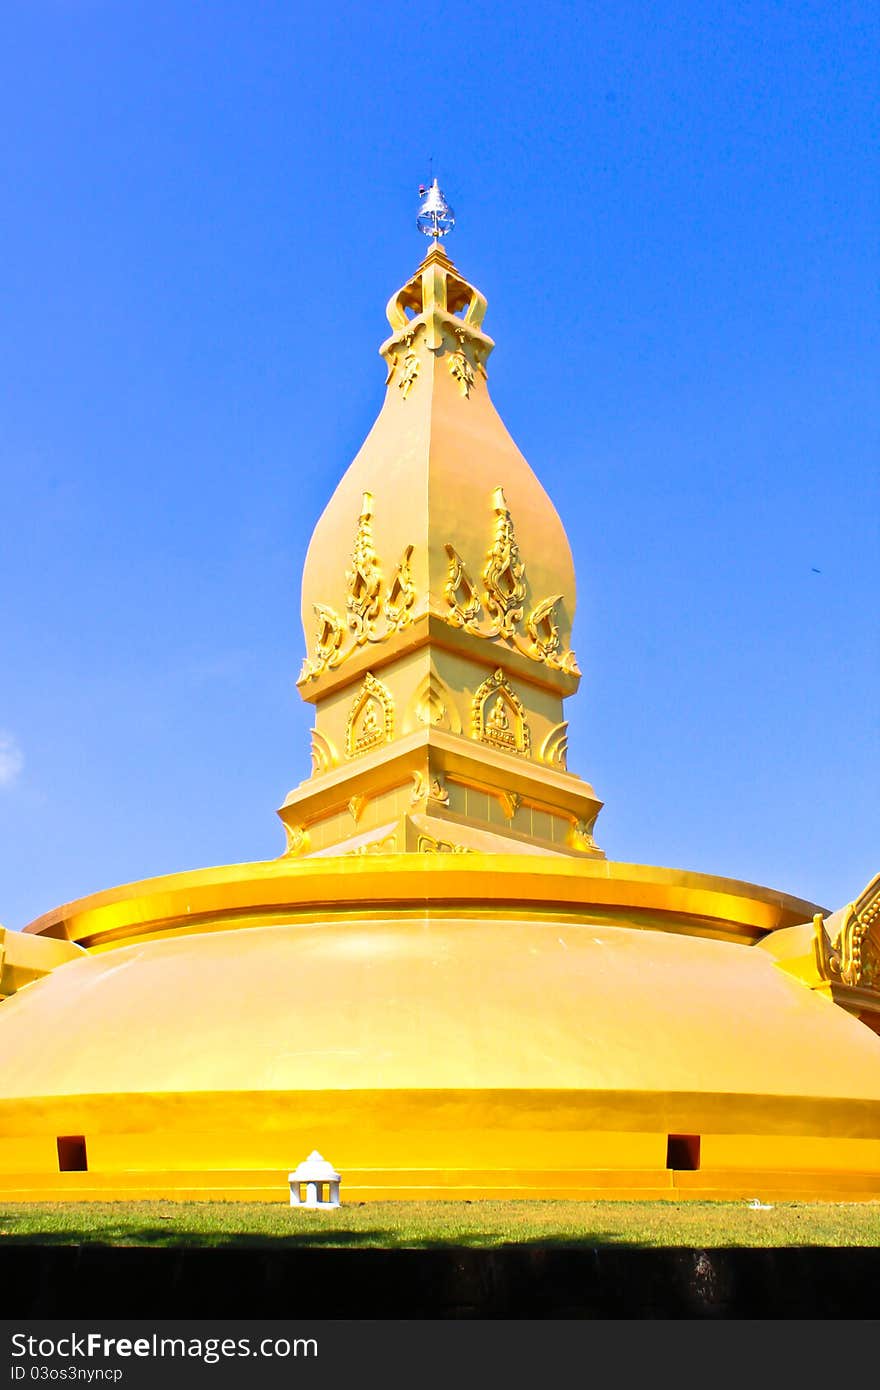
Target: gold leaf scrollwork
386 846
852 955
428 845
328 640
401 595
364 579
460 593
462 370
297 839
499 717
544 640
542 627
408 373
582 837
437 792
504 572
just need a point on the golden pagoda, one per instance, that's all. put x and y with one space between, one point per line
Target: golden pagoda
443 984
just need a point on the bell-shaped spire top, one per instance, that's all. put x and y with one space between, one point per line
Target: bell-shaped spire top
435 217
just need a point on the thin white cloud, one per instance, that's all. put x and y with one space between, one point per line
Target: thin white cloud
11 759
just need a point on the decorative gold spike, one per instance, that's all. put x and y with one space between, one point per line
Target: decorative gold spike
852 955
364 579
462 370
504 572
409 372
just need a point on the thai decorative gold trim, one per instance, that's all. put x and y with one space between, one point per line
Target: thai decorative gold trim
426 788
401 595
499 716
356 805
328 640
460 592
582 837
433 706
364 602
437 792
462 370
364 579
324 754
510 803
851 956
371 718
386 846
504 576
554 747
297 840
444 304
408 372
504 571
544 642
428 845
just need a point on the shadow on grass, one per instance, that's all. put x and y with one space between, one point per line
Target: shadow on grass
150 1237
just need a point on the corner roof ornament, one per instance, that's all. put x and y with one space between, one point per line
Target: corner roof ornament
435 217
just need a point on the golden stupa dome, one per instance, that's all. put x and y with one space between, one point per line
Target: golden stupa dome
442 984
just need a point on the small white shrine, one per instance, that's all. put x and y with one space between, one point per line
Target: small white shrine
320 1181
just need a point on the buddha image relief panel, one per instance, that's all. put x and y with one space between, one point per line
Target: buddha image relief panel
499 718
371 718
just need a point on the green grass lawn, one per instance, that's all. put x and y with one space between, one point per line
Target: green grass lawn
422 1224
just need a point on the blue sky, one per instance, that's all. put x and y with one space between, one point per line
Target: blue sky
673 212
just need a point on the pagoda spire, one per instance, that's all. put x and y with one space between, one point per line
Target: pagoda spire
438 597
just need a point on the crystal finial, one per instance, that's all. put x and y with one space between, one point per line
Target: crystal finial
435 217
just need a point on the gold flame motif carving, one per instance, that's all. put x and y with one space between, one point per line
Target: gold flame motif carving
462 370
364 579
401 595
504 573
460 593
852 956
409 372
370 617
328 640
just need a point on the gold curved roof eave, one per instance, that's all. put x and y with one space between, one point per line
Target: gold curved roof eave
482 885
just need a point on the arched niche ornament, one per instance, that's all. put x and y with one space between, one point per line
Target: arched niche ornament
499 718
371 718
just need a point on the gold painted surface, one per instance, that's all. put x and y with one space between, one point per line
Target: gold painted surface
485 882
394 1005
25 958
